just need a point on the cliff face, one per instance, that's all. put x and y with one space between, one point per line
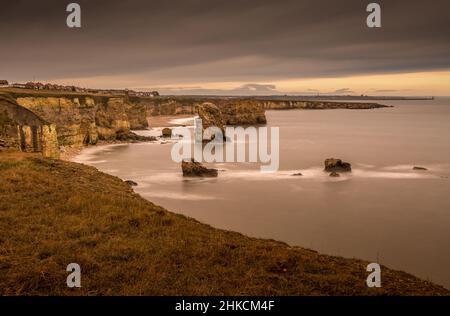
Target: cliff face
243 112
111 119
23 130
84 119
233 111
74 117
317 105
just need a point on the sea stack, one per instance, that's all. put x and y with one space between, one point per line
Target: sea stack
192 168
337 165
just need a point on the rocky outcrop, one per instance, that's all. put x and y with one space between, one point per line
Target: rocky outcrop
131 183
318 105
240 113
166 132
74 117
211 115
193 168
111 118
243 112
23 130
233 111
337 165
83 120
420 168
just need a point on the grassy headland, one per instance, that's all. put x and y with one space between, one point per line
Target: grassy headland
53 213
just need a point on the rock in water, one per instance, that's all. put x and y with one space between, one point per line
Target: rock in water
420 168
193 168
166 132
131 183
334 174
337 165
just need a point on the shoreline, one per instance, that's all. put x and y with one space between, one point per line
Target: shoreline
155 122
153 245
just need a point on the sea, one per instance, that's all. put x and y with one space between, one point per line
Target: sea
384 211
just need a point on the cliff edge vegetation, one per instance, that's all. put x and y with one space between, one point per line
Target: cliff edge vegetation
53 213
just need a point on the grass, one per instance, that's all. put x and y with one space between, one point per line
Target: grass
53 213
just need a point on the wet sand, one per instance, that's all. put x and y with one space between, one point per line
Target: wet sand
169 120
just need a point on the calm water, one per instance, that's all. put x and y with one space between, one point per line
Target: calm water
383 212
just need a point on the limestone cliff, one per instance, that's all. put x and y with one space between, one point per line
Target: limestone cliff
111 118
74 117
84 119
243 112
233 111
317 105
23 130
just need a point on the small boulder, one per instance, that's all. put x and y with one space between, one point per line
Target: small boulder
131 183
420 168
166 132
334 174
297 174
193 168
337 165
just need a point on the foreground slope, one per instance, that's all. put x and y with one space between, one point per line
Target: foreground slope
53 213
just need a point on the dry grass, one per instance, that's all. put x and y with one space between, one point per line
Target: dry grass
53 213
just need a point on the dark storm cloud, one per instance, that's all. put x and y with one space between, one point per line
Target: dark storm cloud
160 42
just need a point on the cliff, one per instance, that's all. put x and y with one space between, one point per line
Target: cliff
126 245
233 111
85 119
23 130
82 119
318 105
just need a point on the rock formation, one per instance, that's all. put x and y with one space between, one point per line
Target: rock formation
337 165
211 116
243 112
21 129
111 119
317 105
334 174
83 120
420 168
74 117
131 183
193 168
166 132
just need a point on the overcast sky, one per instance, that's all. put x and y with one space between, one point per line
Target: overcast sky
231 46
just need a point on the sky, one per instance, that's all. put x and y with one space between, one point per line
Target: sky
231 47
